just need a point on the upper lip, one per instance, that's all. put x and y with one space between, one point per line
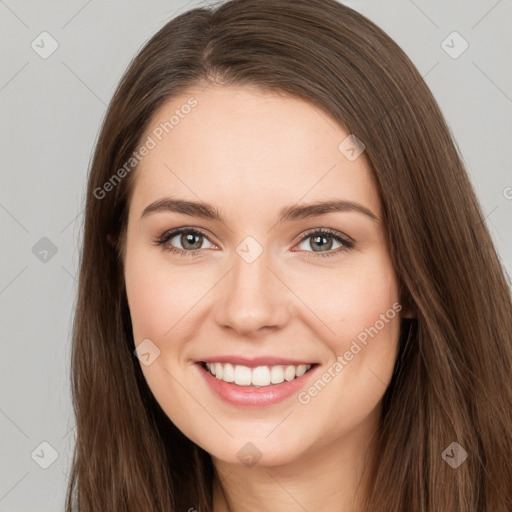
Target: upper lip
253 362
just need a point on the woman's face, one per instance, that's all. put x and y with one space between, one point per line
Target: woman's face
263 285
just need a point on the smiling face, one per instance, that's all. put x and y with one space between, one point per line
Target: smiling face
256 281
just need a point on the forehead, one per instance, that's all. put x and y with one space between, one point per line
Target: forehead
242 146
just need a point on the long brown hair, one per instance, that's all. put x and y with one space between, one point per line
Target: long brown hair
452 380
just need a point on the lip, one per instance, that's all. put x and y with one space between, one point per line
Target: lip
249 396
253 362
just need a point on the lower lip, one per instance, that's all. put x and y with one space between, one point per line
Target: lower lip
254 396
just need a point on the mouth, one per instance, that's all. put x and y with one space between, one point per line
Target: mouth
257 385
256 376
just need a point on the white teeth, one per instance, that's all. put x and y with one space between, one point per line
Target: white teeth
277 374
229 373
260 376
301 370
242 375
289 373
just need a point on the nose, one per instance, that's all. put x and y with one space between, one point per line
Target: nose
252 300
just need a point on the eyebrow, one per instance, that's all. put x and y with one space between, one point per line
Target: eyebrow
287 214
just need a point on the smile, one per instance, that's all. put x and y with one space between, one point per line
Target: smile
259 376
257 385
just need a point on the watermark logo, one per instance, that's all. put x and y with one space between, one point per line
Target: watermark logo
147 352
44 455
351 147
454 455
249 455
249 249
44 45
454 45
44 250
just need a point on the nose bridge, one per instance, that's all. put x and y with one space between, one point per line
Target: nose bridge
251 299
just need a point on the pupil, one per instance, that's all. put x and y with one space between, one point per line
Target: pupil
189 239
321 241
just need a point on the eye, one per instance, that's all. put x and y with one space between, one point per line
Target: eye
322 239
191 241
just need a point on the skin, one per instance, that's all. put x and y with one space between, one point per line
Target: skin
251 153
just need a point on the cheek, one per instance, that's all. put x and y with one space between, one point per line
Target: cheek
364 315
157 298
360 306
372 311
149 303
350 299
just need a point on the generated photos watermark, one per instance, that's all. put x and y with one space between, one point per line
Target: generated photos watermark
304 397
150 143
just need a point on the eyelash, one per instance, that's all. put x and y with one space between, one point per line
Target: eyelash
169 235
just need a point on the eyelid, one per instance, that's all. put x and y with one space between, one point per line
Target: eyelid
347 242
168 235
330 231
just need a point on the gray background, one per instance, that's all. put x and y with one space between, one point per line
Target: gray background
51 110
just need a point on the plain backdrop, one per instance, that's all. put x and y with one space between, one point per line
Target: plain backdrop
60 64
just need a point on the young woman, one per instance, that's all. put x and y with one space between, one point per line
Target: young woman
288 297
